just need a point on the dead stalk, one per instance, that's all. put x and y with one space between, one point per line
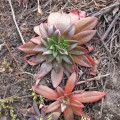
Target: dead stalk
14 19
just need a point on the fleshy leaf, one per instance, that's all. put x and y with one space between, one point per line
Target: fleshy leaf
78 111
53 18
50 58
69 32
56 114
75 103
63 22
57 34
51 29
82 60
44 69
36 40
89 96
68 114
68 67
60 91
87 23
73 46
45 91
85 36
56 78
56 66
71 83
76 15
52 107
43 30
39 48
91 60
36 108
63 107
67 60
34 60
28 48
37 29
79 51
43 40
47 52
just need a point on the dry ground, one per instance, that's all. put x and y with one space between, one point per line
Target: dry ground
17 77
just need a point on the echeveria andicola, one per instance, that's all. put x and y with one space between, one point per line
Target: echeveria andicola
59 44
66 101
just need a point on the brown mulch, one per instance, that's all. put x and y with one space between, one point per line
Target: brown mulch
17 77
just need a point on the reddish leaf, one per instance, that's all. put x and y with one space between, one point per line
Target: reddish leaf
53 18
75 103
89 96
41 29
60 91
69 31
62 21
82 60
36 40
91 60
71 83
85 36
51 29
39 48
87 23
56 78
45 91
76 15
79 51
68 114
27 48
68 67
44 69
57 34
78 111
52 107
37 30
56 114
34 60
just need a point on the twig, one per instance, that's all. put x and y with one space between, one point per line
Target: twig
101 109
14 19
107 32
106 9
92 79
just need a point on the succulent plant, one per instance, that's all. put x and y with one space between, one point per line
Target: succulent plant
67 101
60 44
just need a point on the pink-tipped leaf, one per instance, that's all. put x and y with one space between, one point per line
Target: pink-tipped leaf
34 60
71 83
36 40
87 23
82 60
84 37
44 70
56 77
60 91
68 114
28 48
45 91
75 103
79 51
89 96
54 106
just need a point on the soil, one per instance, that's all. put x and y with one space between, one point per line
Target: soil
17 77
